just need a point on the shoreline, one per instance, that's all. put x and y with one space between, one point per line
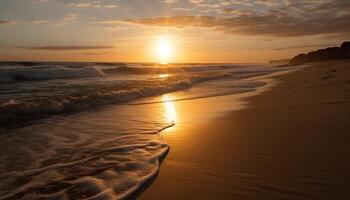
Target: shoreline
107 152
243 153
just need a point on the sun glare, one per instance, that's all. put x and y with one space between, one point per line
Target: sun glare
170 111
163 75
163 49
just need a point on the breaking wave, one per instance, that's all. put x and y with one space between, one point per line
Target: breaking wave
17 110
8 75
102 154
15 72
34 90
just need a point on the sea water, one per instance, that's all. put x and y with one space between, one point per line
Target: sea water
93 130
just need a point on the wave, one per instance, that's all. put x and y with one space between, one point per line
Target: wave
116 164
27 101
235 88
163 69
113 167
173 69
13 74
18 110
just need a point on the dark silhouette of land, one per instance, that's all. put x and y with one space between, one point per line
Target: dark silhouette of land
328 54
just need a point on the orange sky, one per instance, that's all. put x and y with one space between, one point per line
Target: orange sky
242 31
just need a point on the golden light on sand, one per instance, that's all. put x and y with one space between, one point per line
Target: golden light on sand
164 75
170 111
164 49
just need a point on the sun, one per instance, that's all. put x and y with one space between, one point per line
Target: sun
164 49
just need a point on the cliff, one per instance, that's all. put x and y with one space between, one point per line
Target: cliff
331 53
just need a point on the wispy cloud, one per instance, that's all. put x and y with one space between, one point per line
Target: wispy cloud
66 48
280 18
7 22
41 21
40 1
81 5
181 9
96 53
69 17
293 20
65 20
303 46
108 22
170 1
196 1
92 4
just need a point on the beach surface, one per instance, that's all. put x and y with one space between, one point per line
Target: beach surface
288 140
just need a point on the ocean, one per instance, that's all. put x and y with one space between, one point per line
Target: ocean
93 130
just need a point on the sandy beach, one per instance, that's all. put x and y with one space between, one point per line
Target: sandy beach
288 140
174 100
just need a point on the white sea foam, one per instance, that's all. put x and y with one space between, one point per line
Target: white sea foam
39 98
15 110
100 155
103 153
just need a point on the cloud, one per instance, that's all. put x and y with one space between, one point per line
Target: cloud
181 9
70 17
42 21
66 48
65 20
303 46
41 1
266 2
96 53
196 1
297 19
91 4
176 21
7 22
81 4
169 1
59 22
108 22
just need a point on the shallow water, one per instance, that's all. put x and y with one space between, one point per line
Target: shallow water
100 152
105 152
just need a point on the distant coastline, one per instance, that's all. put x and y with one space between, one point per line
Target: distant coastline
279 62
328 54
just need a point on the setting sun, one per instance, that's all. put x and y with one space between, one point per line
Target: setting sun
163 49
177 99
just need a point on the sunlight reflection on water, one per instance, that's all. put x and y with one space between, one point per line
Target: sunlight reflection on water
163 75
170 110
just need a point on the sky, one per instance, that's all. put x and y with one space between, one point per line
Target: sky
215 31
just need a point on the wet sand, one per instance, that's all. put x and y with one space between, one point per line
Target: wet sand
289 142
